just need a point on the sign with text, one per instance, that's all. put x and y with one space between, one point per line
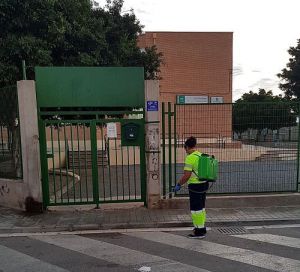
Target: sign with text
216 99
152 105
192 99
111 130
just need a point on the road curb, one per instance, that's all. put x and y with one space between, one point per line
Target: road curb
236 201
172 224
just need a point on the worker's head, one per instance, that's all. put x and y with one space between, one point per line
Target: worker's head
190 144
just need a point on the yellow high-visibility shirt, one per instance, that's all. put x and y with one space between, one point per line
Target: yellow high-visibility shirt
191 164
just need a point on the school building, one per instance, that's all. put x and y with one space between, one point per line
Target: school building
197 69
195 64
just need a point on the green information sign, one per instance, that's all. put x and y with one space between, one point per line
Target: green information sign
180 99
192 99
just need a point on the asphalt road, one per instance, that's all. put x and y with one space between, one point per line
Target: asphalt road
275 248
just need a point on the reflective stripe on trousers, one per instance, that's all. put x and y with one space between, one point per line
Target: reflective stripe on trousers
199 218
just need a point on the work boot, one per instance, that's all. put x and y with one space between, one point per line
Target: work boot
198 233
200 230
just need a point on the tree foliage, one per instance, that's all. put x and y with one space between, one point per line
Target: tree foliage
291 74
262 110
69 33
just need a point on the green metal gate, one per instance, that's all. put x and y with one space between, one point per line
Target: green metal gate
81 165
257 144
92 136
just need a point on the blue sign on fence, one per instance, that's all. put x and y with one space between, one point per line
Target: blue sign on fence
152 105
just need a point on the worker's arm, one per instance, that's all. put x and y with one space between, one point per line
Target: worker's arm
188 168
183 180
186 176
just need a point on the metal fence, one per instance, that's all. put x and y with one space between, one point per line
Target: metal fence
82 164
10 143
256 144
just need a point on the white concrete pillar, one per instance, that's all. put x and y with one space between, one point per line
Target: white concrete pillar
30 140
152 143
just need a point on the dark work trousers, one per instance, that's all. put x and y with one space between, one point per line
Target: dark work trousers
197 204
197 199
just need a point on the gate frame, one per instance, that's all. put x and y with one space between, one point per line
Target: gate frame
95 181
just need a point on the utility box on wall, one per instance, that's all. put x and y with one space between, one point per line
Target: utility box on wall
132 133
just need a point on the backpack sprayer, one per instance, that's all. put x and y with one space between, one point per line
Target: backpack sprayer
208 168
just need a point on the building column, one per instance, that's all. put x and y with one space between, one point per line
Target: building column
30 144
152 143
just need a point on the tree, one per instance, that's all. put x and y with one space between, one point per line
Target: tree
291 74
66 33
9 134
262 110
69 33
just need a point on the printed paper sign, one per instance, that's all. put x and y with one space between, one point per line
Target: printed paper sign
111 130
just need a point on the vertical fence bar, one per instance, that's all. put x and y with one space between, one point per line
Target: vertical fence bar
170 146
109 172
117 181
59 162
73 163
298 151
163 149
2 142
9 144
134 172
143 174
123 181
53 166
175 145
94 163
85 163
44 163
67 162
128 172
102 166
143 166
24 70
79 165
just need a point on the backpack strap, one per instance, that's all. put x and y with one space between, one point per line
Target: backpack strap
199 156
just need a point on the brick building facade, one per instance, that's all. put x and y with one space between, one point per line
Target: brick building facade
196 64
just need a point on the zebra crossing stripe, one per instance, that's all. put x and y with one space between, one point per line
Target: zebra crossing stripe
12 260
246 256
116 254
272 239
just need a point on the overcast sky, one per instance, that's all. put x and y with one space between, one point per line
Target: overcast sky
263 32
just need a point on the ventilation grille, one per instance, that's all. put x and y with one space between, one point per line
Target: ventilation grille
232 230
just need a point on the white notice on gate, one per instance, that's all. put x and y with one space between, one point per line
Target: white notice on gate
111 130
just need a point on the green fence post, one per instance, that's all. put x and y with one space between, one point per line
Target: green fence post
143 165
175 144
170 146
163 149
94 163
44 164
298 151
24 70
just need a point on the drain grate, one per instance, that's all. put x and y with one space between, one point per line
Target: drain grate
232 230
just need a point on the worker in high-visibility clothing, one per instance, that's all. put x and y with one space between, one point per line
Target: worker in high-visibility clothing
197 188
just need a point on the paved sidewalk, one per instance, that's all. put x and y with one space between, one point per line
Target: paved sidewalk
12 221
